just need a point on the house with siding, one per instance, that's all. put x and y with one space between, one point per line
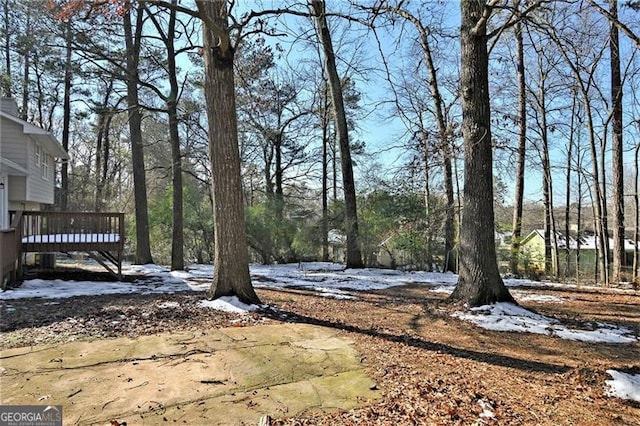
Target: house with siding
533 248
28 156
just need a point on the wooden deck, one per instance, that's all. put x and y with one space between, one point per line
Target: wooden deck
101 235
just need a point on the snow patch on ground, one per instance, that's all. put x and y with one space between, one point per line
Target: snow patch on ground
168 305
510 317
334 293
228 304
538 298
623 385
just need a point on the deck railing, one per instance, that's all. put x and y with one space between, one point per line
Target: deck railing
99 234
49 231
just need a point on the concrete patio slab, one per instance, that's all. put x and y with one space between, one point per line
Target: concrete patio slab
220 376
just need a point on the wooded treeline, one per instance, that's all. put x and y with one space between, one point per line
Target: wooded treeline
349 123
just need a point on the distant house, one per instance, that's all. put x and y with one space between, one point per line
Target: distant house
533 245
337 245
27 163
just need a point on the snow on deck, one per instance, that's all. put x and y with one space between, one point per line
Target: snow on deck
71 238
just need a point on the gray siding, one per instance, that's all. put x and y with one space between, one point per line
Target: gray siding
20 148
39 189
14 143
17 189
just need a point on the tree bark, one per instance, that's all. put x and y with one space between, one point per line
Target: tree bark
597 196
617 150
6 79
354 255
177 240
636 233
324 224
132 42
231 259
66 120
479 280
105 115
547 189
25 71
522 151
567 207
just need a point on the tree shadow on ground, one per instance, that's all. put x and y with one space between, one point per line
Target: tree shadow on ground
487 358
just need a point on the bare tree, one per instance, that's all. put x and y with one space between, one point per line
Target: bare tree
133 36
617 148
354 255
584 75
522 149
6 47
231 259
479 280
168 36
636 233
66 121
444 134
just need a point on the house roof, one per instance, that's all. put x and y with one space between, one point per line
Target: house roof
43 137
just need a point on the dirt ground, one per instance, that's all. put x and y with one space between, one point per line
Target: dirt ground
429 368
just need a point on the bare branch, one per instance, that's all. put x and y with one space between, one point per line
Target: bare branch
622 27
482 22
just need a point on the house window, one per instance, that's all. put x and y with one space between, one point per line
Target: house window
45 166
38 155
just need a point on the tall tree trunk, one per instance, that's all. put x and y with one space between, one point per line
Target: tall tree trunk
354 255
445 147
231 258
479 280
578 211
6 79
66 120
443 134
546 177
597 196
27 65
636 233
102 148
567 207
604 209
617 150
325 176
177 240
427 201
40 91
522 150
132 42
278 172
449 222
